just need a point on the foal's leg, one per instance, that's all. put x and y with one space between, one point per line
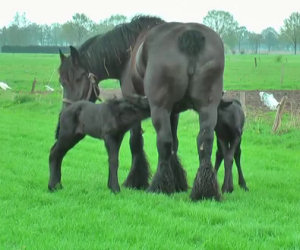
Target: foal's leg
237 157
163 180
228 161
112 144
57 153
139 173
179 172
219 156
205 183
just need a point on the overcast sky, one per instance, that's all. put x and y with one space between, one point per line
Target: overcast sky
256 15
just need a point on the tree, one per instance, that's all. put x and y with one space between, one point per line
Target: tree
255 41
270 37
291 29
224 24
82 26
242 35
220 21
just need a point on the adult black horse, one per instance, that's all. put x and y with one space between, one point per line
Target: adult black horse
177 66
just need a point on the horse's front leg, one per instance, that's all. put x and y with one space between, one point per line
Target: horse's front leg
112 144
205 183
139 173
179 172
163 180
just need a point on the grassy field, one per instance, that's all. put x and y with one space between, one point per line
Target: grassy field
86 215
19 71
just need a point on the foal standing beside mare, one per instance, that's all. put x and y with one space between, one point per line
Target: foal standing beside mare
108 121
177 66
229 130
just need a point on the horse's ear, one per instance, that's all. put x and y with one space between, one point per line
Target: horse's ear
74 55
62 56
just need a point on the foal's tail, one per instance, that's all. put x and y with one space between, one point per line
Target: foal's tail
191 42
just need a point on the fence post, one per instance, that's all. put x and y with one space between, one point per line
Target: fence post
279 113
33 85
243 100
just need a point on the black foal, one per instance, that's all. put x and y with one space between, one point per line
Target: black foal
229 131
108 121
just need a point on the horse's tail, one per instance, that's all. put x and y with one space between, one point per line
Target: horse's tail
191 42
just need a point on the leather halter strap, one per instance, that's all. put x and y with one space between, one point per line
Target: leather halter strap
93 88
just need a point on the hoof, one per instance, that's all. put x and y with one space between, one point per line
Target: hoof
57 186
135 183
205 184
181 184
244 187
114 188
139 175
163 181
227 189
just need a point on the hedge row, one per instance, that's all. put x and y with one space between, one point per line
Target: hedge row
34 49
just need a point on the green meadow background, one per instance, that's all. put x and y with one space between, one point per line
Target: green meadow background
86 215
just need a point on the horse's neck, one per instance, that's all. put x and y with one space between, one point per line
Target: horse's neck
105 64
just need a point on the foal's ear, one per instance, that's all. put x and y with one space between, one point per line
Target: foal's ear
74 55
225 103
62 56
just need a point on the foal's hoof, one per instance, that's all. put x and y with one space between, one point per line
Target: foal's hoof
227 189
244 187
57 186
115 190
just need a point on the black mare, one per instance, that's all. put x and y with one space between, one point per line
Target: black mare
229 130
177 66
108 121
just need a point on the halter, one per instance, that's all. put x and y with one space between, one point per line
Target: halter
93 88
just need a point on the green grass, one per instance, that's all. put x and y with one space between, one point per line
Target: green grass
272 72
86 215
19 71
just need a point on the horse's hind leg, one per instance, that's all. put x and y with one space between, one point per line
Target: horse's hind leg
205 183
57 153
179 172
163 180
139 173
112 144
237 157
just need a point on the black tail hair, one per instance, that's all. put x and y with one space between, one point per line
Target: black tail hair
191 42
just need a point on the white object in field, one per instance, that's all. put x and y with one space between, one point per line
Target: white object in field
49 88
268 100
4 86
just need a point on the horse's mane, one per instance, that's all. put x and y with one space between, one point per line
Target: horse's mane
113 47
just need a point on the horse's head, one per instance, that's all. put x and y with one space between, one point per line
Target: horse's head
77 82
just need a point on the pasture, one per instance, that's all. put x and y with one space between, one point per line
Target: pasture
85 214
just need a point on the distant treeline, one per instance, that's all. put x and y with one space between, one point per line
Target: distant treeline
34 49
236 38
